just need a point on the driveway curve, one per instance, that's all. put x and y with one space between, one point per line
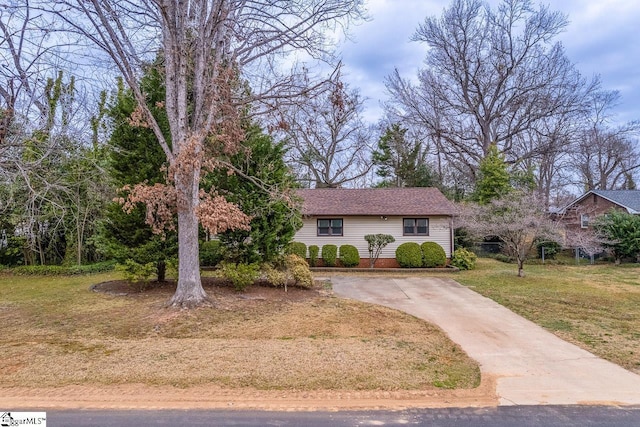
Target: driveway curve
531 365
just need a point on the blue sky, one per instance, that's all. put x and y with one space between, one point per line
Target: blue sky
601 38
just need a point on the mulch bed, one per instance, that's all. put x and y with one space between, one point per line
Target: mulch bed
213 286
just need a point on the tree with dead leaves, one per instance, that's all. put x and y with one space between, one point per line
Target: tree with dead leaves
220 63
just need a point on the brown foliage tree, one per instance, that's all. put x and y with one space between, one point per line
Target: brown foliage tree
207 47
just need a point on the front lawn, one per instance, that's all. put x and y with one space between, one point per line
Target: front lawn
55 332
594 306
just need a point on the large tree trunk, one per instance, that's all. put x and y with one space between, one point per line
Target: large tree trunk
189 292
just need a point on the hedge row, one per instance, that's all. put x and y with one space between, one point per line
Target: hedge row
330 254
413 255
408 255
55 270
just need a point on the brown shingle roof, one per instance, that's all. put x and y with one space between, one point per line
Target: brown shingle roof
375 201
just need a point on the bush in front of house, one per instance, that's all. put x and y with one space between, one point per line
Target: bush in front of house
349 256
314 251
299 270
433 255
464 259
297 248
409 255
287 270
329 255
240 275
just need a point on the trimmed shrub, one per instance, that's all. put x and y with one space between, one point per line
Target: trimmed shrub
276 277
241 275
136 272
297 248
464 259
329 255
288 270
409 255
211 253
433 255
299 271
349 256
58 270
314 251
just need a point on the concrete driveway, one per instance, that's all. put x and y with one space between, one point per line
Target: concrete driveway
531 366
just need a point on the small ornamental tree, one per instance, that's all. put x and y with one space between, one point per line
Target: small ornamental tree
587 241
377 242
517 219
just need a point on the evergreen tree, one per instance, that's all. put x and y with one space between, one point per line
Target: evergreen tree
274 220
494 180
401 163
621 233
135 157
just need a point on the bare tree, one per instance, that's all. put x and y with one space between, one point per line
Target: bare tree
328 140
40 130
210 50
516 222
490 76
25 58
548 147
605 157
586 240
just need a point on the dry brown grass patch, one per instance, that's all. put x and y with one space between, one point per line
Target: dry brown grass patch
264 338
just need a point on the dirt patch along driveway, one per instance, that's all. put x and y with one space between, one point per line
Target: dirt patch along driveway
531 365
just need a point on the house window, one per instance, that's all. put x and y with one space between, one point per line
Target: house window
330 227
415 226
584 221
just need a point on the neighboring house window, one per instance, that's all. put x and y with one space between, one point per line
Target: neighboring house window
330 227
416 226
584 221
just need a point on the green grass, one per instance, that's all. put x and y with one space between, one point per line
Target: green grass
594 306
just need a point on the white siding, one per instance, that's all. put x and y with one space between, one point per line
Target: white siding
356 227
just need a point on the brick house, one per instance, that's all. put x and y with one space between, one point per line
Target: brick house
582 211
344 216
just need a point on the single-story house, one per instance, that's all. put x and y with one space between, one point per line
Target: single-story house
342 216
580 212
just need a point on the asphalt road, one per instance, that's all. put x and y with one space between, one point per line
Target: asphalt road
503 416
